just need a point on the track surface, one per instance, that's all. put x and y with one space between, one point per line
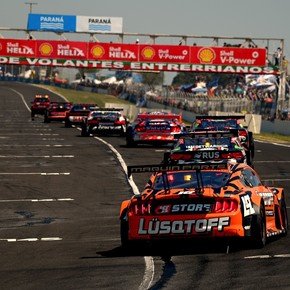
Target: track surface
59 203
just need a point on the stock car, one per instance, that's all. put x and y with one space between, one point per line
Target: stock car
39 105
154 128
207 146
225 200
227 123
105 121
56 111
77 113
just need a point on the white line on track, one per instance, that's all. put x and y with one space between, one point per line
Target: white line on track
45 239
276 179
272 161
34 145
149 261
35 173
37 156
267 256
37 200
22 98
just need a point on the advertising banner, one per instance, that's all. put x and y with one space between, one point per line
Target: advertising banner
113 51
61 49
99 24
51 22
228 56
17 47
164 53
121 56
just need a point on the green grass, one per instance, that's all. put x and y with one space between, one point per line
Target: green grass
85 97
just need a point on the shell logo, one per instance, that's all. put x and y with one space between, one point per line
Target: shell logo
97 51
206 55
148 52
45 49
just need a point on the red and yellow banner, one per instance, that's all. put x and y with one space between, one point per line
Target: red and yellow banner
151 57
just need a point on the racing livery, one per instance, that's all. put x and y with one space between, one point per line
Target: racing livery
208 200
77 113
39 105
104 121
207 146
154 128
56 111
226 123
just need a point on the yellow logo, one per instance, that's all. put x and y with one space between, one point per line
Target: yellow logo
206 55
45 49
97 51
148 52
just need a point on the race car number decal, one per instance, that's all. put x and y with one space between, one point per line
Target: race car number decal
247 205
156 227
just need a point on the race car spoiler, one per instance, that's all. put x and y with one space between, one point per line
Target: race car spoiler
203 133
180 167
237 117
108 109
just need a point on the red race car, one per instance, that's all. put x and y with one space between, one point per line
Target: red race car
154 128
77 113
208 200
57 111
39 105
104 121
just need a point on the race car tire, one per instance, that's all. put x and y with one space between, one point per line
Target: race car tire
124 231
249 158
258 229
284 216
85 131
46 119
67 123
130 142
32 115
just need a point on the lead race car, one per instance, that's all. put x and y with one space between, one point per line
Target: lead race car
154 128
39 105
104 121
209 200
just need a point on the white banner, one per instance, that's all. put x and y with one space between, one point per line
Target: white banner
99 24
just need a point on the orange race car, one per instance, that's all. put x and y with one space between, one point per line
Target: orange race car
208 200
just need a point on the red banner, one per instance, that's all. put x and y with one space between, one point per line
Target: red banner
149 57
113 51
164 53
17 47
228 56
61 49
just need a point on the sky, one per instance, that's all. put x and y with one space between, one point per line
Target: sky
220 18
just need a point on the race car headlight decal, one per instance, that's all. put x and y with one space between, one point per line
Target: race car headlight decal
225 206
235 155
142 209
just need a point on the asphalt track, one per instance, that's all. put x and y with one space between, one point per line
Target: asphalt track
59 203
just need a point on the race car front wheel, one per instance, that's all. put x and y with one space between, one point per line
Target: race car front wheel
124 231
284 216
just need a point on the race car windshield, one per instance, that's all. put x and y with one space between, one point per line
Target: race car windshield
188 179
106 114
219 124
41 100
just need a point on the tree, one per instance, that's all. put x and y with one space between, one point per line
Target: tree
153 78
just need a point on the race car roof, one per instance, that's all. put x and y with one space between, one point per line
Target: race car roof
237 117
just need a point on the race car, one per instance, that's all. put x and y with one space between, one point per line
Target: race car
77 113
210 200
226 123
205 146
39 105
56 111
104 121
154 128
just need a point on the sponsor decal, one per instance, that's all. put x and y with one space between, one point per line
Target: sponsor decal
192 226
267 197
247 205
206 55
45 49
183 208
97 51
148 52
207 155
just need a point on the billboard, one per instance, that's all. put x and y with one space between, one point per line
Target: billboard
99 24
51 22
122 56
